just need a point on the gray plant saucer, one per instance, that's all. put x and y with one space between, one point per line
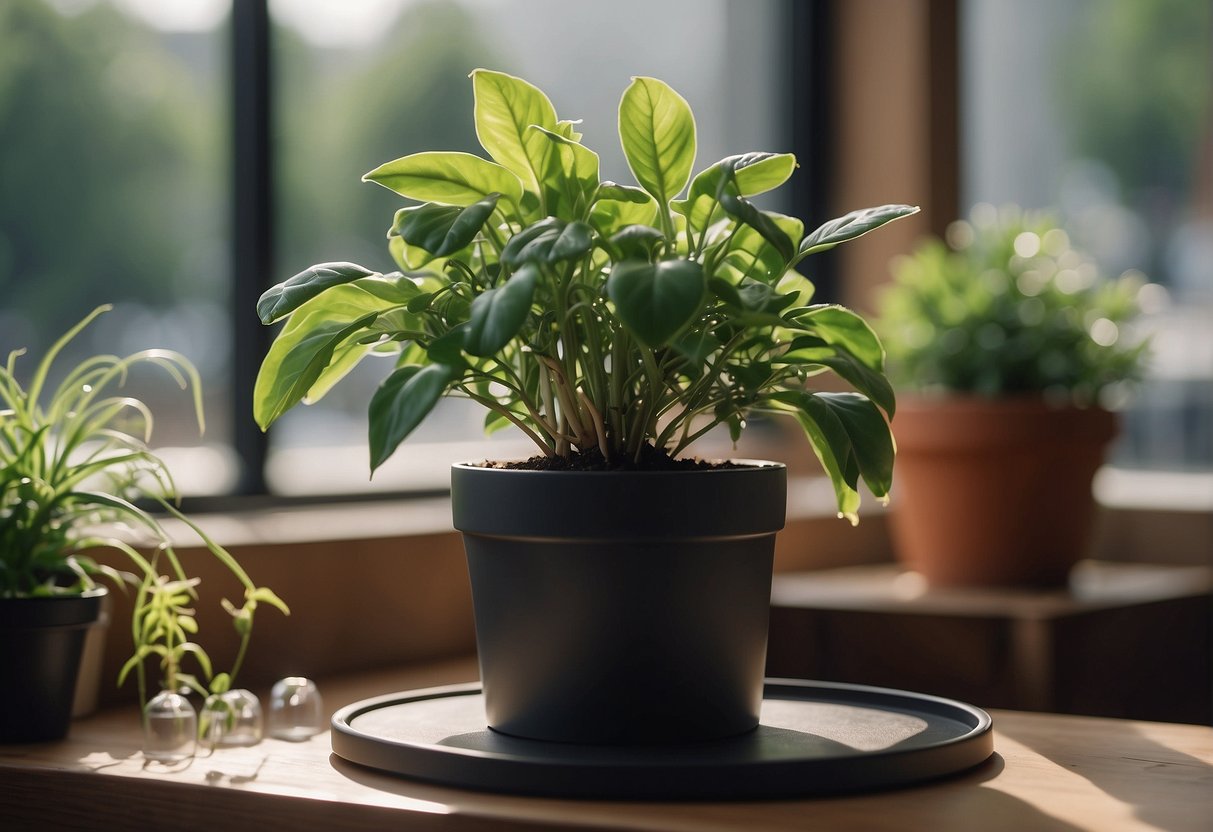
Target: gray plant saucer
815 738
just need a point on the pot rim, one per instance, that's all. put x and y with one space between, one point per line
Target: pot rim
587 505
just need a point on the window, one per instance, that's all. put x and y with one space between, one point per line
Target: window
117 173
112 189
1103 111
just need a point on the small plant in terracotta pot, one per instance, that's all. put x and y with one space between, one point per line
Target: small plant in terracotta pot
1007 346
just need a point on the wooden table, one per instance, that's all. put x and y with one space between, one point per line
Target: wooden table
1123 640
1048 773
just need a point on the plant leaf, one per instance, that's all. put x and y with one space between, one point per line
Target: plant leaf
852 225
294 364
871 440
569 175
657 131
446 177
655 301
505 107
846 330
499 313
623 193
443 230
831 444
400 404
742 210
550 240
755 173
284 298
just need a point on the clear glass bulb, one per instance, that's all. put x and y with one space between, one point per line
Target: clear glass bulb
296 710
170 728
231 718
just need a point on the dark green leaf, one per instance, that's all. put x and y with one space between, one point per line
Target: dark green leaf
867 381
499 313
443 230
655 301
636 241
852 225
725 291
401 403
448 347
743 210
830 443
548 241
286 297
871 440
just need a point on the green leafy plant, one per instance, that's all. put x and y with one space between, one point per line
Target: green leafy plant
599 319
1008 307
75 465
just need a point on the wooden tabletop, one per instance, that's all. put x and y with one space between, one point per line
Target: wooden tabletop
1048 773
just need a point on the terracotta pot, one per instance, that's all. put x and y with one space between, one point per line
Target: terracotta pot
995 492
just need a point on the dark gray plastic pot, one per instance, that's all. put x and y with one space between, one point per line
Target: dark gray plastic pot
621 607
41 640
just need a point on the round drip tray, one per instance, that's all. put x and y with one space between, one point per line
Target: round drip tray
815 738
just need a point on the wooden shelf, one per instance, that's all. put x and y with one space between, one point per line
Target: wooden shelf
1049 773
1124 640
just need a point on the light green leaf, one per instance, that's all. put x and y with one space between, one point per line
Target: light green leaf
448 178
284 298
568 176
505 107
750 255
311 354
609 215
657 131
499 313
401 403
623 193
655 301
754 173
846 330
852 225
295 363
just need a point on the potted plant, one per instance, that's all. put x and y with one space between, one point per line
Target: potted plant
1010 345
73 458
621 591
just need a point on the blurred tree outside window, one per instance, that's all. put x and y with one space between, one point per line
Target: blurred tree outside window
1102 111
113 190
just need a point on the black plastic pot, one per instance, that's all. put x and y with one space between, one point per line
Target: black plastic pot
621 607
40 644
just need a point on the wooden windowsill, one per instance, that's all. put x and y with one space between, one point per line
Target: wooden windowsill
1049 773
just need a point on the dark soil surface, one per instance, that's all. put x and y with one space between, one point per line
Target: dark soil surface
651 459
